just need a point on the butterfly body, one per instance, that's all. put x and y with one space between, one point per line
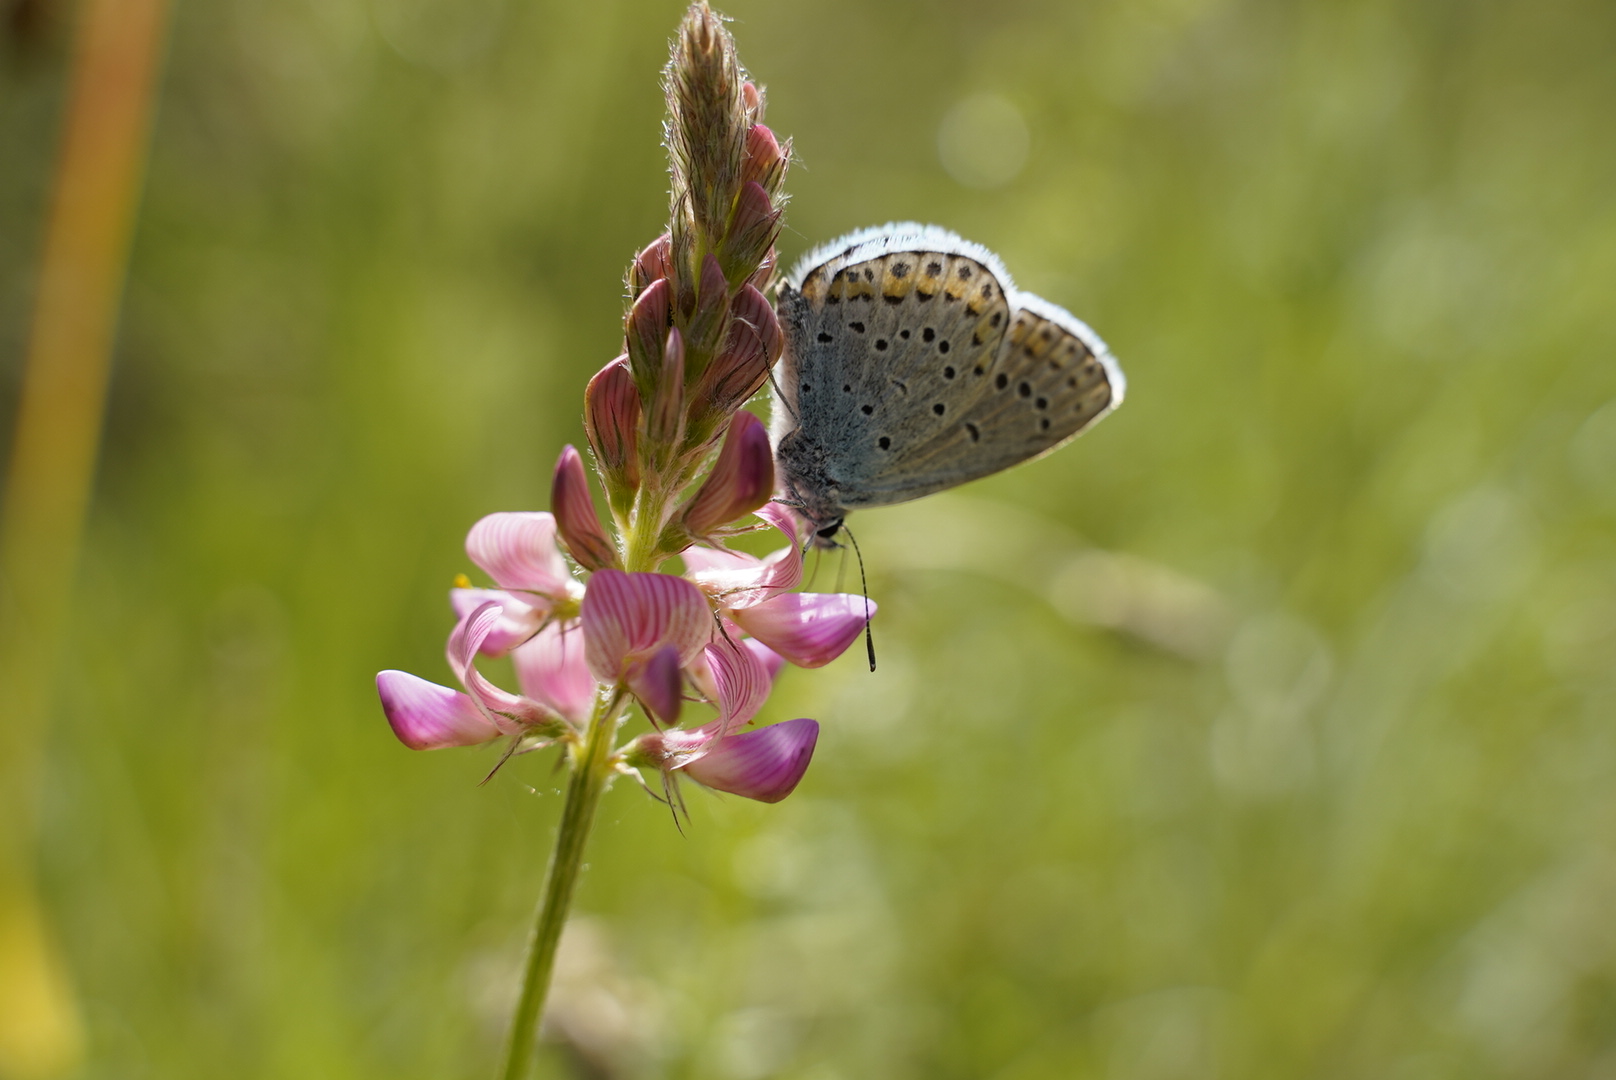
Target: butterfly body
912 364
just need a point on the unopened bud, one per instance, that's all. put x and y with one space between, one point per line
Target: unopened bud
575 515
646 327
612 421
664 420
650 264
742 367
765 160
752 101
712 306
741 481
752 229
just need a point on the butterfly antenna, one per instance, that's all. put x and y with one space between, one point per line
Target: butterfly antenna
869 635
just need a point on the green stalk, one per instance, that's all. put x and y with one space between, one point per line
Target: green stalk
590 774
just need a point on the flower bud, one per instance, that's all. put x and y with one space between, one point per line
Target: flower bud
765 160
712 304
664 421
647 326
741 368
650 264
575 515
741 481
752 229
752 101
612 421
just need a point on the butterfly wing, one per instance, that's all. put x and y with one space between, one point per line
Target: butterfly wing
912 365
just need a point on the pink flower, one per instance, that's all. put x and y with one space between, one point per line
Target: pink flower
642 630
426 716
517 550
808 629
763 764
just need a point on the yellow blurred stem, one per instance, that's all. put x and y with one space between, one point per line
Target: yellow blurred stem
103 151
591 771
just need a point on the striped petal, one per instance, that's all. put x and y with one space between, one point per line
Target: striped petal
518 620
765 764
426 716
550 668
501 708
627 617
808 629
742 681
738 580
519 552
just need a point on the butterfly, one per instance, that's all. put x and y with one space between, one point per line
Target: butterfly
912 364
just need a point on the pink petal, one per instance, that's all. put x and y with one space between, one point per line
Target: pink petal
497 705
629 616
652 263
426 716
659 684
519 552
765 764
646 332
575 514
808 629
743 683
518 620
612 421
772 661
741 480
738 580
550 668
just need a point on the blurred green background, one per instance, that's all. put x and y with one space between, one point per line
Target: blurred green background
1268 731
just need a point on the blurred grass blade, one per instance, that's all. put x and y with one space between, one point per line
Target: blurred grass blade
98 177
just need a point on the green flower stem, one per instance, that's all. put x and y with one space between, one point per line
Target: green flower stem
590 775
641 553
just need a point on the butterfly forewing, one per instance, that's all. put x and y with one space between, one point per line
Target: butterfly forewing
911 367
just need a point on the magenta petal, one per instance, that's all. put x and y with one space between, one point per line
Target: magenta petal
575 515
738 580
519 552
659 684
426 716
772 661
550 668
808 629
464 643
629 616
765 764
517 622
743 683
740 481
